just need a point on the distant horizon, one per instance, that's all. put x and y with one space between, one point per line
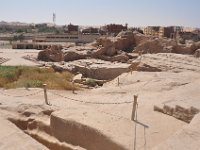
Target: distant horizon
137 13
29 23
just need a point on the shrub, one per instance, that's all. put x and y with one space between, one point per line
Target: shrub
15 77
91 82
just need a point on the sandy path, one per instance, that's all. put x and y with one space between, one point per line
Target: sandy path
15 57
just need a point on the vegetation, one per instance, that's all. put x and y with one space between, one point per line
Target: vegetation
91 82
33 77
18 38
38 28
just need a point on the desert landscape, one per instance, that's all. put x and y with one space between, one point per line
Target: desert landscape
98 113
99 75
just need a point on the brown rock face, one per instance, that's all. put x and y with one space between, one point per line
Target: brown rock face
107 51
197 53
182 49
155 46
140 38
72 55
50 55
124 41
139 66
120 58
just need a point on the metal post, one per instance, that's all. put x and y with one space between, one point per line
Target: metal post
45 94
134 108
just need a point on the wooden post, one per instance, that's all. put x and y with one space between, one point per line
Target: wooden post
118 81
134 108
73 87
45 94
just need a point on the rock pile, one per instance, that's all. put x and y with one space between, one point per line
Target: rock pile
153 46
197 53
119 48
52 53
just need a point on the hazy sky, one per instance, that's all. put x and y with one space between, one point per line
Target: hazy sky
100 12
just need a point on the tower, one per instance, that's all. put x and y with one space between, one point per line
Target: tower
54 18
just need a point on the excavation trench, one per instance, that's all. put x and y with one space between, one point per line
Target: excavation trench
58 133
41 132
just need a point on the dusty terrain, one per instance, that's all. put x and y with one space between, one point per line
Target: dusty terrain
15 57
105 113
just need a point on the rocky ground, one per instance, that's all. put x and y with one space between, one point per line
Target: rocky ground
105 110
166 84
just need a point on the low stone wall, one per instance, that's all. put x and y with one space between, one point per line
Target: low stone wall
38 46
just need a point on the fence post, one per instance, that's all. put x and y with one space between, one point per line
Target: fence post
118 81
73 87
45 94
134 108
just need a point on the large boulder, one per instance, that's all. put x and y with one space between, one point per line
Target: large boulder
120 58
140 38
107 51
152 46
182 49
124 41
165 46
50 55
197 53
74 55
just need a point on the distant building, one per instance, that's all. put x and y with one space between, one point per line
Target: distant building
91 30
152 30
168 32
76 38
137 29
72 29
115 28
194 36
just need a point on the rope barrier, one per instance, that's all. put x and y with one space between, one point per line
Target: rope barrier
87 102
27 95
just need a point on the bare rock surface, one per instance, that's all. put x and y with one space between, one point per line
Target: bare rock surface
185 139
170 62
182 108
97 69
73 55
197 53
92 130
12 138
54 55
159 45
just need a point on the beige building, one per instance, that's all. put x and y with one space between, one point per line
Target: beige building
168 32
152 30
76 38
